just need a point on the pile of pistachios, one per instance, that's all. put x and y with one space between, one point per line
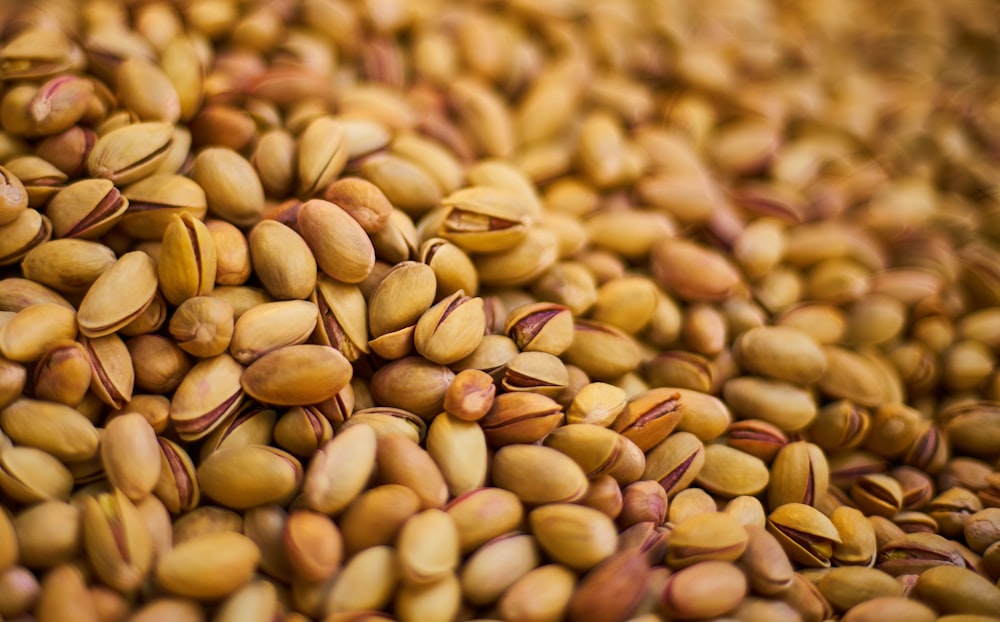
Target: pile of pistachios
521 310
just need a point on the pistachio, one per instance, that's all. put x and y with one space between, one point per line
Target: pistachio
675 462
35 329
520 417
209 392
288 322
542 594
483 219
177 486
297 375
846 587
314 544
412 382
282 260
187 262
914 553
341 247
87 209
244 477
48 534
496 566
129 453
129 153
402 461
483 514
858 544
597 450
203 326
799 474
451 329
322 154
708 589
951 589
401 297
375 517
118 296
15 198
716 535
118 544
30 475
68 265
729 472
208 567
367 582
538 475
112 376
470 395
459 449
576 536
804 532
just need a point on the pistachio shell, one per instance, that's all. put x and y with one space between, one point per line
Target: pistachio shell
297 375
119 295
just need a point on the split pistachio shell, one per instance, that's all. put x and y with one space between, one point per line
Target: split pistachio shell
187 263
119 295
117 541
208 393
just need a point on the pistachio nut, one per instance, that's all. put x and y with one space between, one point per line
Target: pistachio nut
375 517
401 297
757 438
520 417
891 608
858 546
782 353
413 383
599 451
539 372
271 326
187 263
459 449
35 329
704 590
799 474
453 269
362 200
341 317
112 374
483 514
177 486
15 198
282 260
244 477
805 533
232 188
64 595
322 154
130 455
428 547
538 474
52 427
574 535
302 430
542 594
67 265
522 263
119 295
852 377
675 462
914 553
876 493
132 152
470 395
847 587
715 535
203 326
208 567
117 542
403 461
313 544
451 329
730 472
48 534
341 247
389 421
484 219
496 566
367 582
63 374
209 392
407 184
952 589
30 475
297 375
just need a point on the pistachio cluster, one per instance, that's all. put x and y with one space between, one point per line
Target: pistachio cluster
526 310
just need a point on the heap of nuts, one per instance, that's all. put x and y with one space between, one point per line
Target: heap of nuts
525 310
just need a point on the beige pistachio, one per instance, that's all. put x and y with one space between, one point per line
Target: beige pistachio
48 534
913 553
769 570
271 326
522 263
729 472
538 474
322 154
29 230
847 587
891 608
64 596
30 475
402 296
177 486
297 375
87 209
459 449
601 350
599 451
282 261
858 546
232 188
805 533
389 421
799 474
15 198
716 535
52 427
675 462
130 455
757 438
708 589
520 417
187 263
118 543
483 514
132 152
650 417
484 219
496 566
313 544
367 582
375 516
403 461
542 595
428 547
244 477
119 295
574 535
451 329
341 247
209 392
209 566
413 383
202 326
453 269
34 330
112 372
341 317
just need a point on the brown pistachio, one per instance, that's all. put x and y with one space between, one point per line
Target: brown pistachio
757 438
341 247
313 544
413 383
804 532
15 198
119 295
858 545
650 417
244 477
675 462
112 374
708 589
210 391
34 330
799 474
520 417
177 486
599 451
187 263
913 553
297 375
470 395
362 200
459 449
403 461
375 517
129 452
574 535
87 209
208 567
118 544
203 326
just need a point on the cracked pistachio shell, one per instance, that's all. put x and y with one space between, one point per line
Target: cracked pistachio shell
68 265
340 470
282 260
209 392
362 200
272 326
297 375
117 541
805 533
322 154
781 352
248 476
52 427
30 475
132 152
539 372
34 330
208 567
88 208
342 321
799 474
177 486
453 269
13 197
451 329
597 403
232 189
712 536
19 237
153 200
402 296
541 326
342 248
130 455
484 219
187 262
574 535
538 474
650 417
112 375
675 462
119 295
